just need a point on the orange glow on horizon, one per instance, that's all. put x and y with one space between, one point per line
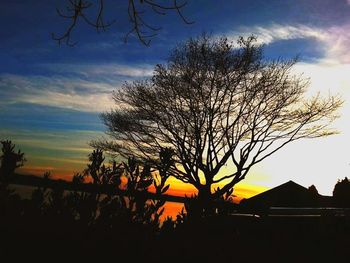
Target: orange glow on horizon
177 188
40 170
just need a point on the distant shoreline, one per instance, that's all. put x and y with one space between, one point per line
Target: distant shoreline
35 181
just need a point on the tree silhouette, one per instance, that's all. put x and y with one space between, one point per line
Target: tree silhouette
10 160
81 10
341 193
215 103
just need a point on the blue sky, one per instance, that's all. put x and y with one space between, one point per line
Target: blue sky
51 95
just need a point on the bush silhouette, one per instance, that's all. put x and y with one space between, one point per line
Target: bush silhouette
10 160
81 218
341 193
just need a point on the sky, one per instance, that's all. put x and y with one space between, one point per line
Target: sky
51 95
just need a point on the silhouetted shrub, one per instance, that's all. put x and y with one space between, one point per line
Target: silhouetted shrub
341 193
10 160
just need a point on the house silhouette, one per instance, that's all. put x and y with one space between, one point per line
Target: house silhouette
289 194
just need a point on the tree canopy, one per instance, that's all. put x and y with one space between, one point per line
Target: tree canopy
216 103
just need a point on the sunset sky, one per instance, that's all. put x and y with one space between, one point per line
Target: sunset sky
51 96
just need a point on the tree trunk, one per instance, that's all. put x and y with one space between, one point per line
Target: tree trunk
204 193
206 200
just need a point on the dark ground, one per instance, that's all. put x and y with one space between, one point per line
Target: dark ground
219 239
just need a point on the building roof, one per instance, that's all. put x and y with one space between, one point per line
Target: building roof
289 194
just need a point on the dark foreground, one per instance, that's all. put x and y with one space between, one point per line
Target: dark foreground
56 225
217 238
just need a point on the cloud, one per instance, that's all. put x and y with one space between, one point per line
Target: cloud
88 87
110 70
337 44
334 41
58 91
83 102
277 32
84 87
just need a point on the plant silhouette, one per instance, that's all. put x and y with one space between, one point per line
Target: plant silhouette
10 160
341 193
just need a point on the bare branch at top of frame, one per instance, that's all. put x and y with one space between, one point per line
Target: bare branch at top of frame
76 11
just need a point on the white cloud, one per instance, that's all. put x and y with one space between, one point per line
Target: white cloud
277 32
57 91
82 102
84 87
334 41
337 44
95 70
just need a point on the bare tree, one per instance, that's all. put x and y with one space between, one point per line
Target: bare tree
216 103
80 10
